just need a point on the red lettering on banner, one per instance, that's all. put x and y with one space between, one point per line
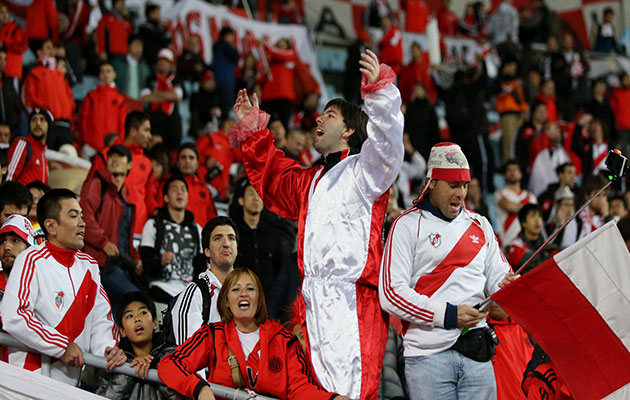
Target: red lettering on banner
179 33
195 17
214 31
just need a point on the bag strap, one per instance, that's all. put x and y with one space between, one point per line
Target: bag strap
237 377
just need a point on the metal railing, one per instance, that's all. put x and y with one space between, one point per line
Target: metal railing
222 392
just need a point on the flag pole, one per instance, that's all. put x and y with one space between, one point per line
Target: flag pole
614 175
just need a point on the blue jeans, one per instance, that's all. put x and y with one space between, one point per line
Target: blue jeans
449 375
116 283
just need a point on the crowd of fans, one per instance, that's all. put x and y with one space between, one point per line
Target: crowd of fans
151 190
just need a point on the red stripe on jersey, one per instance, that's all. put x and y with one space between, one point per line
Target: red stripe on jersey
23 293
464 251
73 321
511 217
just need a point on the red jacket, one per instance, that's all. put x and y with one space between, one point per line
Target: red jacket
42 20
36 169
102 111
416 15
48 88
200 201
447 22
15 44
620 103
390 46
102 215
513 353
416 72
282 65
552 110
216 145
118 30
280 370
140 179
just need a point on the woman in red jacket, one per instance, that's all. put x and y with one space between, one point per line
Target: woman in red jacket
267 358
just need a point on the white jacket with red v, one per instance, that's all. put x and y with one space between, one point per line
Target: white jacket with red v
46 305
428 262
340 214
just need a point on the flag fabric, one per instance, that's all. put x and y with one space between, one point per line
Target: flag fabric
576 306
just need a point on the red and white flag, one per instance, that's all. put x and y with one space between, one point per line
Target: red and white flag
576 305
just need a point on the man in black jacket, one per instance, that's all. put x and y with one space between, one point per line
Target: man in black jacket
170 241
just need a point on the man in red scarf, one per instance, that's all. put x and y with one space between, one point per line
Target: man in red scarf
163 91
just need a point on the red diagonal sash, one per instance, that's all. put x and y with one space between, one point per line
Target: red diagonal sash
464 251
73 321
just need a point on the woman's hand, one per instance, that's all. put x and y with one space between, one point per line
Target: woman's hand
206 394
142 364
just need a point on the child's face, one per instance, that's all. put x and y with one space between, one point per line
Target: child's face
533 223
137 323
5 134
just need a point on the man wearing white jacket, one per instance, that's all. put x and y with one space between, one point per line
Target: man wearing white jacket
340 209
439 261
54 302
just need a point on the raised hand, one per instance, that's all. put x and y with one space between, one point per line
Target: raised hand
242 105
370 66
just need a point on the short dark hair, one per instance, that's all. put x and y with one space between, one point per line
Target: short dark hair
187 145
133 37
526 210
620 198
129 298
354 118
38 44
171 179
560 168
226 30
509 162
49 206
592 183
608 11
39 185
134 119
208 228
230 280
106 62
149 8
15 194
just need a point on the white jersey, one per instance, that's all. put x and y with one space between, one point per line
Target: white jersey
47 305
508 227
187 311
428 262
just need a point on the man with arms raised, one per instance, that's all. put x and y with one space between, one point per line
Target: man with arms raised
54 302
340 208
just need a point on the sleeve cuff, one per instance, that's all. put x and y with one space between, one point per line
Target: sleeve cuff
254 121
385 77
198 388
450 316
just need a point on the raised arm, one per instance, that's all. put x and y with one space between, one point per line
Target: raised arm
382 153
276 178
